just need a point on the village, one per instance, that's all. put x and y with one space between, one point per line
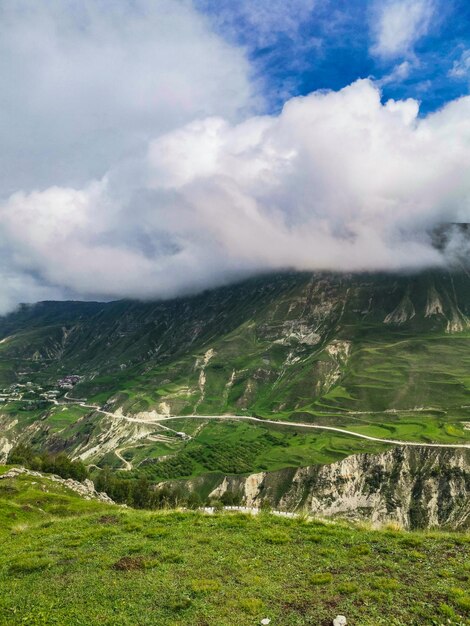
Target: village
31 393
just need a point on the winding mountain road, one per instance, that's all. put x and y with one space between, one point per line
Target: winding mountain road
127 466
335 429
321 427
343 431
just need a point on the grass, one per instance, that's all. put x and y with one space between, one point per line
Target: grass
64 560
389 375
241 447
60 418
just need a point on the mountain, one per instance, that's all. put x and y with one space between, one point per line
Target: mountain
382 357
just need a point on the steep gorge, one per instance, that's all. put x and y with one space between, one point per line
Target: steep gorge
414 488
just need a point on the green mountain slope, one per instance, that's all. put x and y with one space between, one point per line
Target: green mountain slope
65 560
384 356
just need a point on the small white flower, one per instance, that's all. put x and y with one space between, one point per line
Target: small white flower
265 621
340 620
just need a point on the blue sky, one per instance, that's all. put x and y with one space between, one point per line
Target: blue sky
303 45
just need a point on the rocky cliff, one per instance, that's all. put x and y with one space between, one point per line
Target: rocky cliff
415 488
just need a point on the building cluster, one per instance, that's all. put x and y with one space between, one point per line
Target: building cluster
25 392
69 382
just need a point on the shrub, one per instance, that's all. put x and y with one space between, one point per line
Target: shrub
204 585
51 463
348 587
324 578
230 498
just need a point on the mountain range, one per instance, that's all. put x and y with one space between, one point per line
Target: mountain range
364 359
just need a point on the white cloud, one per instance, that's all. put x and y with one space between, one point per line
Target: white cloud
84 84
272 17
265 20
398 74
337 181
16 285
461 68
398 24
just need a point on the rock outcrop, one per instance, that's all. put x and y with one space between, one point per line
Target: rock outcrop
412 487
85 489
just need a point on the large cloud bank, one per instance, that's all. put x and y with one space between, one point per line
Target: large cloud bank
152 176
84 84
336 181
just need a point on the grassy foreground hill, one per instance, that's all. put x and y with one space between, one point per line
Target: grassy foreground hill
69 561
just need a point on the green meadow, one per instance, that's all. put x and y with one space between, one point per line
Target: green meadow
64 560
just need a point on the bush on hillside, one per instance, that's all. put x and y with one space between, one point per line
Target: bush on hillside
140 493
52 463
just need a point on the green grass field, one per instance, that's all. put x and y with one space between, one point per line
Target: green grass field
67 561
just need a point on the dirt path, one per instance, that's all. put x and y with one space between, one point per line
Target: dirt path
127 466
135 420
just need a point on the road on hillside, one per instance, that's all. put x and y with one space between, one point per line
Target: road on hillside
319 427
342 431
127 466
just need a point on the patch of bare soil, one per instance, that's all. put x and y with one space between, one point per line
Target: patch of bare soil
129 564
108 519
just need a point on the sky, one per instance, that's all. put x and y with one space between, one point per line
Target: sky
152 148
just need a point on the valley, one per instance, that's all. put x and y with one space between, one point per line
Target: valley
235 313
278 372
